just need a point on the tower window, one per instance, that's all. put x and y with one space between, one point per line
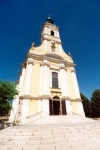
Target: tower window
54 80
52 33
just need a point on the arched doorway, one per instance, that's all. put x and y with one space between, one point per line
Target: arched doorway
55 106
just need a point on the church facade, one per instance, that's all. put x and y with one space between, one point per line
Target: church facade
48 81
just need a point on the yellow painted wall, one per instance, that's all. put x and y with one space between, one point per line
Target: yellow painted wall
33 106
74 106
34 89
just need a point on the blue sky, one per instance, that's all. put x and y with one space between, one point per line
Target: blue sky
79 21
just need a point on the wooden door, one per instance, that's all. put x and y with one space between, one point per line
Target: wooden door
63 107
50 107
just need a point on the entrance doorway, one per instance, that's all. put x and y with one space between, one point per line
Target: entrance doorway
56 107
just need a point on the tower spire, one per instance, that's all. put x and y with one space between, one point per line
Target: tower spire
49 16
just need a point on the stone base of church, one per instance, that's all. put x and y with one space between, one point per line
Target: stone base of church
34 109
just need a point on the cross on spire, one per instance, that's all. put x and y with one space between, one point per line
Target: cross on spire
49 16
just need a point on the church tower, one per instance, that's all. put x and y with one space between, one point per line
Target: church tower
48 82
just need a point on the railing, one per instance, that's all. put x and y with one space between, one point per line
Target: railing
38 113
73 113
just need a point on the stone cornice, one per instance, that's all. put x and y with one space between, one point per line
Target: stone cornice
43 97
28 97
49 35
25 97
72 70
48 97
58 42
46 24
23 65
79 100
35 98
45 64
76 100
65 98
30 62
50 59
62 67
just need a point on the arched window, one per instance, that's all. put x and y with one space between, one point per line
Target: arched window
54 80
52 33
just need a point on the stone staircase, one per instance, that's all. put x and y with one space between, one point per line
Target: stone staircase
53 133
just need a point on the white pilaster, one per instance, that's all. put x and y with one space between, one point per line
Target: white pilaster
46 87
28 77
60 49
64 82
21 81
45 106
46 82
57 33
80 109
45 45
25 111
15 107
75 84
39 106
68 107
40 85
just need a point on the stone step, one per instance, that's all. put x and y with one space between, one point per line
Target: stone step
53 133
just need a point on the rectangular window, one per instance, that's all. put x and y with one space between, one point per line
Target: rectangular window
54 80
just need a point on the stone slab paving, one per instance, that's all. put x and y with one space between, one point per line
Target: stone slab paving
53 133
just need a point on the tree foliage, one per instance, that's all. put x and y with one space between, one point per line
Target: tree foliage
95 103
86 105
7 93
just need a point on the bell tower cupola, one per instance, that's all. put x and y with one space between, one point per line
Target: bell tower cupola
50 36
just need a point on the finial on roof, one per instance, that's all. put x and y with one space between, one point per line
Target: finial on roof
33 45
69 53
49 20
49 16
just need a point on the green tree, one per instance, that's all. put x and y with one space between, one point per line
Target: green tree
95 103
86 105
7 93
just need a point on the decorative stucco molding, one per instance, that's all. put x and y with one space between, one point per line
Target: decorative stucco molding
24 65
46 63
30 62
62 67
73 71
